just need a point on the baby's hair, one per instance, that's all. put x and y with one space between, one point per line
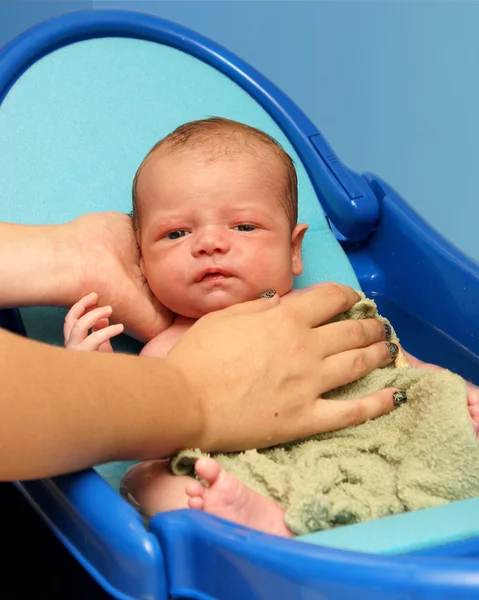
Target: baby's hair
208 134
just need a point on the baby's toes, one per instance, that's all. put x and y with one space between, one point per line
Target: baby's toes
196 502
208 469
194 489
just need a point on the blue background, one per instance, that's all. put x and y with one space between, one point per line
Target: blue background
392 85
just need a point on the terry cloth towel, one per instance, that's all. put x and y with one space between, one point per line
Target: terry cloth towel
420 455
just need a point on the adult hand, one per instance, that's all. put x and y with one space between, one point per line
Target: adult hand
106 260
246 377
56 265
266 388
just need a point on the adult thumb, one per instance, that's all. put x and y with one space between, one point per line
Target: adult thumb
268 300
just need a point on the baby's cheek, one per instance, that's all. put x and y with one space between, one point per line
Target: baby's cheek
272 276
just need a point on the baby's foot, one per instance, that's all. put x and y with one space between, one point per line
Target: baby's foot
473 405
228 498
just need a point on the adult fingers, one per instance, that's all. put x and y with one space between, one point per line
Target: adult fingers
321 304
336 414
351 365
77 311
95 340
80 328
349 335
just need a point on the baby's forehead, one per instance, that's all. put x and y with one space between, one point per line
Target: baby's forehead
169 163
245 156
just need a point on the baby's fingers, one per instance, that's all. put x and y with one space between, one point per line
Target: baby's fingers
76 312
96 339
101 324
336 414
80 328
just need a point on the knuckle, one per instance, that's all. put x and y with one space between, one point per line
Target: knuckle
356 414
357 332
360 364
297 347
338 292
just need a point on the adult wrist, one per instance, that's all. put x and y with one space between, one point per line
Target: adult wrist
36 265
66 273
188 399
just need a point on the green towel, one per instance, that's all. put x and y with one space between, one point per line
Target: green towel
420 455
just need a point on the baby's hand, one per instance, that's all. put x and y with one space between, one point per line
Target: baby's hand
85 315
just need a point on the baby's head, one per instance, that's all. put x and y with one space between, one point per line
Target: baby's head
215 208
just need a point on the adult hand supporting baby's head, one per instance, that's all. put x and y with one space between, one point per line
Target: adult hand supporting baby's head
259 369
106 260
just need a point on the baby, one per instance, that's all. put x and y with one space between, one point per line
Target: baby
215 208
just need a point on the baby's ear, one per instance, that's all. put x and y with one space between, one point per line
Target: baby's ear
136 230
297 237
140 253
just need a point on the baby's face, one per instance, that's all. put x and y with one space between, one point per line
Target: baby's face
214 233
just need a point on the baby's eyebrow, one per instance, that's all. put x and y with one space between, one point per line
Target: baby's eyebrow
248 210
252 213
172 221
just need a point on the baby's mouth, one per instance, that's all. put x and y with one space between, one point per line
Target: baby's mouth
212 274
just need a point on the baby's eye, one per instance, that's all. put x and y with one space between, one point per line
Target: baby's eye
245 227
175 235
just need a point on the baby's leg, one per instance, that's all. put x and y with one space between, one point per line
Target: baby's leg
151 488
227 497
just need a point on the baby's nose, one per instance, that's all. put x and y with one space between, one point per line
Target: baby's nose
210 242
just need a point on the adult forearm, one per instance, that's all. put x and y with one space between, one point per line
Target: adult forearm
37 266
63 411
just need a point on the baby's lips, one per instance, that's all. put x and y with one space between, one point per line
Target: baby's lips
217 270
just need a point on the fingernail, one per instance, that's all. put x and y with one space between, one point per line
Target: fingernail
393 349
388 330
399 398
268 294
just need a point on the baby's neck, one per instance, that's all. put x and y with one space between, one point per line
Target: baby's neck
181 320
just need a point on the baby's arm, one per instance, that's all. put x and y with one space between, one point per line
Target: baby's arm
86 315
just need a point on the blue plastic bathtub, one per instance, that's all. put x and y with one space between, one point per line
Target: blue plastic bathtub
84 97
